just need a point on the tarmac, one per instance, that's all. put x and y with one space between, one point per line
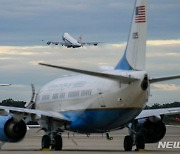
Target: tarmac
93 144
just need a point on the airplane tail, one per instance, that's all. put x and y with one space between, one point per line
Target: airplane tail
135 52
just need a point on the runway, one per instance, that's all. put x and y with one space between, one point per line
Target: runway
94 144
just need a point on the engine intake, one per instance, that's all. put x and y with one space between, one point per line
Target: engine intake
11 130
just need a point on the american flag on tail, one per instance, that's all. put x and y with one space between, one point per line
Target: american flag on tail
140 15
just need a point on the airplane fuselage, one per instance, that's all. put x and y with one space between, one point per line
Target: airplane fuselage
70 41
94 104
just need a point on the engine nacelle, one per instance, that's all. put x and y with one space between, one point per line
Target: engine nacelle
49 42
11 130
153 131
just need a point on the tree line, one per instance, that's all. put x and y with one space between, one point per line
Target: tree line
13 103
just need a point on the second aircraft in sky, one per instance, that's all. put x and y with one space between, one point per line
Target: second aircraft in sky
70 42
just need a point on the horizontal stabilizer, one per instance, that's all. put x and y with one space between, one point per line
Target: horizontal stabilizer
159 79
123 79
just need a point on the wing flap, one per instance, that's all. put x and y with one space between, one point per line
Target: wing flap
158 112
123 79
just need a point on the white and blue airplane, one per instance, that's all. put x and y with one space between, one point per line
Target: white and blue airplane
70 42
96 102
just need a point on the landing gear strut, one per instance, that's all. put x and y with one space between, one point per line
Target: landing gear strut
108 137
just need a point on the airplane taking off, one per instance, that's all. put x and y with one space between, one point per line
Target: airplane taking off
96 102
71 42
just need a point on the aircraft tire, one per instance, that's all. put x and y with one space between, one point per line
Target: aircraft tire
45 143
140 141
58 142
128 143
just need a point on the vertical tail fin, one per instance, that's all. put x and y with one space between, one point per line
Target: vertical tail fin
134 56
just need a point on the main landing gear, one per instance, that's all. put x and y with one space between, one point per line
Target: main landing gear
139 142
128 143
53 142
135 138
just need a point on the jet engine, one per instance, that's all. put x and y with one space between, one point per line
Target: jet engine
11 130
153 130
49 42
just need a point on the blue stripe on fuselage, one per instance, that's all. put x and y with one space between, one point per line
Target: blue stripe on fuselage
91 121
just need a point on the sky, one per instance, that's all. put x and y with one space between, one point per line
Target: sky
23 24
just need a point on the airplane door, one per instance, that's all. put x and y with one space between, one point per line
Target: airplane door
100 95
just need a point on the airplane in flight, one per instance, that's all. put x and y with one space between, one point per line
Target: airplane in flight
96 102
70 42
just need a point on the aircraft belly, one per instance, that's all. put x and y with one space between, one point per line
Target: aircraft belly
95 120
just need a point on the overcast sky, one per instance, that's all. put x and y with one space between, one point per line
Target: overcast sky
23 24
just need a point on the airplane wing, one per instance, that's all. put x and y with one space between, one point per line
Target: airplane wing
5 84
33 113
55 43
123 79
158 112
90 43
159 79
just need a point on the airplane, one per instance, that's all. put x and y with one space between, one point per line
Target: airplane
96 102
70 42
